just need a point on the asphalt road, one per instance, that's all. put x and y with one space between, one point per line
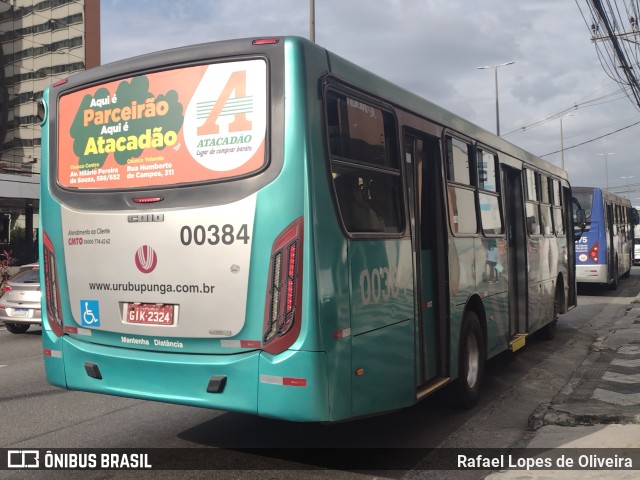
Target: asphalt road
34 414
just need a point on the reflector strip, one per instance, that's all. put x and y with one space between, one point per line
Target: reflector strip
286 381
77 331
52 353
240 343
338 334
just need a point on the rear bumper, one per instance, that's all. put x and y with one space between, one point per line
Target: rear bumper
5 318
290 386
591 274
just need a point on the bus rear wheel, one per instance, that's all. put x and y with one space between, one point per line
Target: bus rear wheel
471 360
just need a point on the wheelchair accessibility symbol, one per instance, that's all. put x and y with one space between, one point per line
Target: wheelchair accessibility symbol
90 313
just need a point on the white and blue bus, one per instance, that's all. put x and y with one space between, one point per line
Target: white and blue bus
604 250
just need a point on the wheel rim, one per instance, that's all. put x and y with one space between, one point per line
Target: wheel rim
473 360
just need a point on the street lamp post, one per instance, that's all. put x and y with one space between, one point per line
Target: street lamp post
606 165
495 74
562 140
312 21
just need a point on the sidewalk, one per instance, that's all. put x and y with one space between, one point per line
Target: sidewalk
598 408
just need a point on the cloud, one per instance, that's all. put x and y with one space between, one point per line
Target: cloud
433 48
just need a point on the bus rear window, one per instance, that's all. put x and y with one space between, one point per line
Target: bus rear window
187 125
585 199
360 132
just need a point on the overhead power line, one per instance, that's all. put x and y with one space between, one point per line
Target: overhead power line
615 32
592 140
599 100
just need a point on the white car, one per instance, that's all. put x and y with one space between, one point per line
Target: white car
20 301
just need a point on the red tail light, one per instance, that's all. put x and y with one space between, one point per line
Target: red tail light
265 41
593 253
52 289
284 298
7 288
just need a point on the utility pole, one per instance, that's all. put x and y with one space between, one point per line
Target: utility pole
312 21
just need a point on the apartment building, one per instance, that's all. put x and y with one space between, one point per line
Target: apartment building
41 41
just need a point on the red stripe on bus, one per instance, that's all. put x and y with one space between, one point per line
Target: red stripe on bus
294 382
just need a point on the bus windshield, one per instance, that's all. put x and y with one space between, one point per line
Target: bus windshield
585 198
164 128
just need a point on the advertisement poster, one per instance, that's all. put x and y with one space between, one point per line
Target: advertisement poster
186 125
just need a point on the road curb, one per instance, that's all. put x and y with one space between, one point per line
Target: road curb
572 415
564 410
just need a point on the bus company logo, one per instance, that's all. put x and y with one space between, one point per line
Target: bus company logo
146 259
23 459
225 120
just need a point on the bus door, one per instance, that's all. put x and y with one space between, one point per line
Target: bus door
611 242
422 154
517 256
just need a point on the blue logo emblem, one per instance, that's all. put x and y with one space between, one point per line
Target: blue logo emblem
90 313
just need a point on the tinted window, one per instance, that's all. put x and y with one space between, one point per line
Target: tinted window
28 276
487 168
530 180
458 168
533 219
364 165
490 216
545 194
585 199
369 201
361 132
462 211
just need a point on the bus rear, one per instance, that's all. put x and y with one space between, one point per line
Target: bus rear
603 252
173 237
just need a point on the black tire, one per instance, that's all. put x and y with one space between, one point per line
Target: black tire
17 328
471 360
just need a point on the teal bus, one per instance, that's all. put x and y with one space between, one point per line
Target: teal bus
259 225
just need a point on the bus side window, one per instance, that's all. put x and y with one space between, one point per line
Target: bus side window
364 165
461 192
488 193
556 200
545 206
532 211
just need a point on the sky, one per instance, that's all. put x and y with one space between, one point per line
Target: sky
434 48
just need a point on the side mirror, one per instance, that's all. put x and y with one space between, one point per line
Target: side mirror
581 218
635 218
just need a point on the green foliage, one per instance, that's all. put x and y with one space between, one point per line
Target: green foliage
145 118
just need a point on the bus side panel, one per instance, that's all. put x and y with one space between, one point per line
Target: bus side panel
294 386
462 278
456 315
50 222
382 325
462 285
497 314
384 364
